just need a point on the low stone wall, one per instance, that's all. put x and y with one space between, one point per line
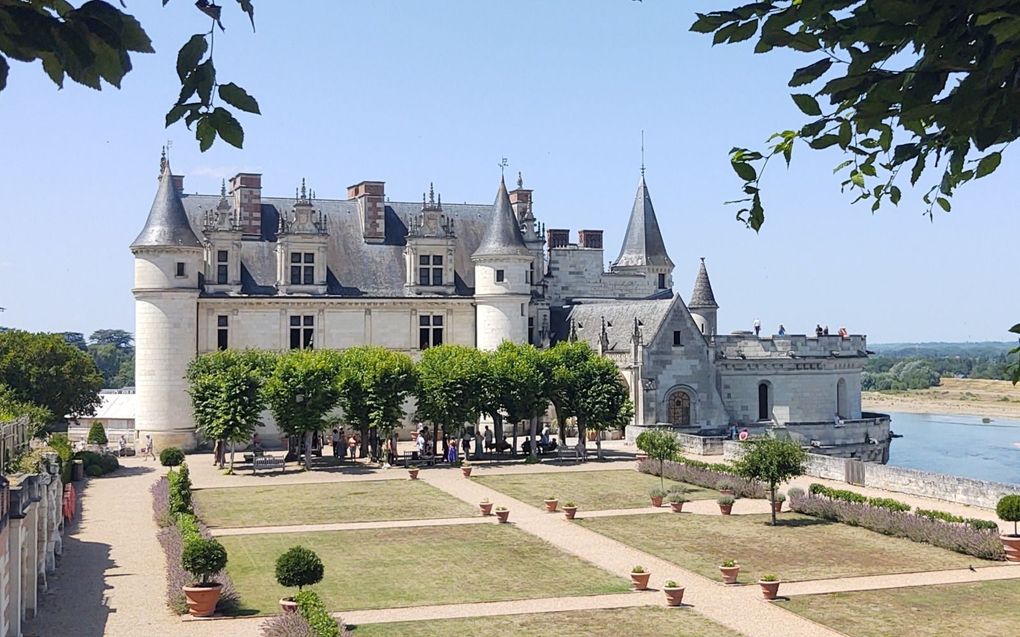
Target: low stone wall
691 443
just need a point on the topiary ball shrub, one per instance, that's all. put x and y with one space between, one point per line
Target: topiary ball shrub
93 470
109 463
97 435
1008 509
171 457
203 558
298 567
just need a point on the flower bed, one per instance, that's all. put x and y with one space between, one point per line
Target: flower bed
311 620
959 537
704 474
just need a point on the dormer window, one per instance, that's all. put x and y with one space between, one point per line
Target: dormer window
302 268
222 257
430 269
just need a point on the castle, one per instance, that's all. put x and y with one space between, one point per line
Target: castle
241 270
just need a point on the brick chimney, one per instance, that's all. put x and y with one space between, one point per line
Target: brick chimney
520 201
590 238
246 190
371 198
557 237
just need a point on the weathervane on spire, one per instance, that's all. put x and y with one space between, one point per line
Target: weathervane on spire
162 160
642 152
503 163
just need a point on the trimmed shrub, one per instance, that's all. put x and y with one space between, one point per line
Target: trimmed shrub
962 538
795 492
286 625
889 503
314 611
171 457
982 524
62 445
656 492
97 434
299 567
857 498
725 499
203 558
1008 510
109 463
938 515
180 490
702 474
93 471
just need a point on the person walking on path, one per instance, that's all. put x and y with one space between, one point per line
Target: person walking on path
148 450
489 444
335 440
352 446
757 327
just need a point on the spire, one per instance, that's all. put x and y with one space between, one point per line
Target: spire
503 235
167 224
702 296
643 245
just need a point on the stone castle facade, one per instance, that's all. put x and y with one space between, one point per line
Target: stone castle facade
243 270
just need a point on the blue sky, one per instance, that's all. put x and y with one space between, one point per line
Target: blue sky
413 92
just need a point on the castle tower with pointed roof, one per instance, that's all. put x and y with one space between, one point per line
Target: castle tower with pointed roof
643 249
702 303
168 260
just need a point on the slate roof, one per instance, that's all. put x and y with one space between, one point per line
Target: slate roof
619 315
643 245
167 224
354 268
503 235
702 296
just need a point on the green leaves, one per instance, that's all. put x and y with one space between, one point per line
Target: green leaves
988 164
228 128
810 73
744 171
4 70
238 98
190 55
807 104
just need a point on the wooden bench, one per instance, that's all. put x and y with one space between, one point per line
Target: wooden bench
563 453
267 462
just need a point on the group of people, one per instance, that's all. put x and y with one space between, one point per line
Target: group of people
819 330
343 446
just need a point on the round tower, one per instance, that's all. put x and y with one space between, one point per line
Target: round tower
168 259
502 284
702 305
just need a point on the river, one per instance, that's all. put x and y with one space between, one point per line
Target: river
960 445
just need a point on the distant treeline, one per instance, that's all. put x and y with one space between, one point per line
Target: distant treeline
920 365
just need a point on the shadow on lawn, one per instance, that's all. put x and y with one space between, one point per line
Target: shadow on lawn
799 522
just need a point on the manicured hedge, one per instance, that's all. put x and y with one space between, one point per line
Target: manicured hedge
703 474
957 519
314 611
857 498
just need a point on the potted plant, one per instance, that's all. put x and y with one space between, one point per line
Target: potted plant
299 567
203 558
674 592
730 570
777 502
639 578
486 506
551 502
769 586
656 494
502 513
726 487
1008 510
412 471
725 504
465 468
569 509
676 502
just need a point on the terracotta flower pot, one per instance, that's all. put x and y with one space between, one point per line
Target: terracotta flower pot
550 505
202 599
288 605
727 492
466 471
503 515
769 590
486 508
413 473
677 507
777 506
1012 545
730 573
725 509
640 581
674 596
569 512
656 500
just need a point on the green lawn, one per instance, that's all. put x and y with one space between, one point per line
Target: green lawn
324 503
590 490
651 621
983 608
800 548
385 568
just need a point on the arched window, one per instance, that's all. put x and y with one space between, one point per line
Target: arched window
842 409
678 408
764 411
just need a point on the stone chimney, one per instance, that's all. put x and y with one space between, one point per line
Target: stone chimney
371 198
520 201
557 237
246 190
590 239
178 183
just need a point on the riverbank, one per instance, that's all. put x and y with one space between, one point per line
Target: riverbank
972 397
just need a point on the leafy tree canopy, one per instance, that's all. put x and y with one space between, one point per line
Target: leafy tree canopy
45 370
302 390
117 338
566 360
897 84
11 408
450 385
517 381
374 382
772 461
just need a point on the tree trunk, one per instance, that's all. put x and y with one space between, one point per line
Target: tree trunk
515 435
772 501
308 450
232 447
364 430
435 438
598 445
531 434
562 422
497 426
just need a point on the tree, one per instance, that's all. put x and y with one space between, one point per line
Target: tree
374 383
301 392
565 360
517 386
450 383
93 43
602 401
11 408
771 461
76 339
120 339
97 434
43 369
939 77
226 394
660 445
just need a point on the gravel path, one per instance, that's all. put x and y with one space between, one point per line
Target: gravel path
878 582
349 526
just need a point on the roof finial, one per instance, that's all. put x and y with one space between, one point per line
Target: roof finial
162 160
702 259
223 188
432 194
642 153
520 180
439 201
304 193
503 163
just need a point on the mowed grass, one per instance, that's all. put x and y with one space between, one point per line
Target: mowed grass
589 490
976 609
337 502
386 568
799 548
654 621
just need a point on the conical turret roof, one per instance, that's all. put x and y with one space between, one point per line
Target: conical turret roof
167 224
643 245
503 235
702 296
